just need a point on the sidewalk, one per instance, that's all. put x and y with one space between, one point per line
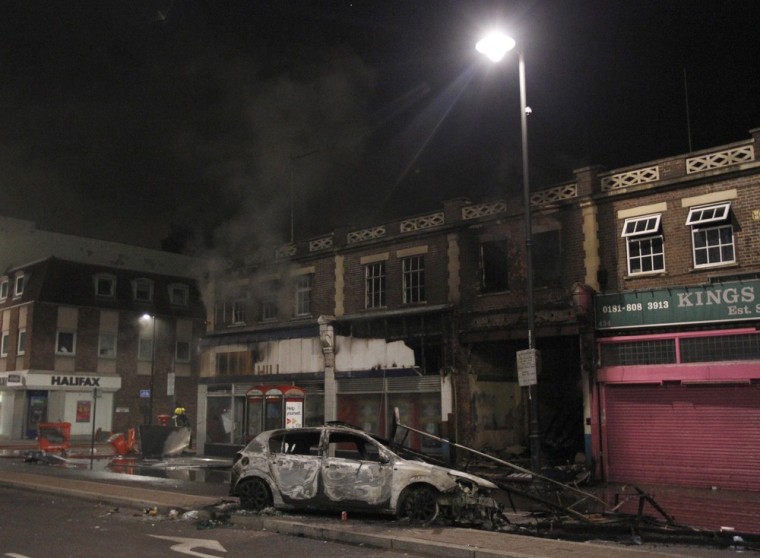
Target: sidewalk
439 541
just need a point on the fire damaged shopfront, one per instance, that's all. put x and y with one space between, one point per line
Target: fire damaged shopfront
425 315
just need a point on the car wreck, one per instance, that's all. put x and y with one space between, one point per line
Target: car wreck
339 467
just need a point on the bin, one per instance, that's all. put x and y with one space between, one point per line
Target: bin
54 436
163 420
119 443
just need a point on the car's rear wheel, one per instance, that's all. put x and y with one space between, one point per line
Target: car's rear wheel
419 504
254 494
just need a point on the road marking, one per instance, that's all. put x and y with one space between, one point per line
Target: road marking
186 545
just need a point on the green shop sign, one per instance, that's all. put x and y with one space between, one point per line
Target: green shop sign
719 302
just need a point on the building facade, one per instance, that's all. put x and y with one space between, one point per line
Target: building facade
105 341
676 395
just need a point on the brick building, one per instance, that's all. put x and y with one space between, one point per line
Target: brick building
427 313
85 319
676 397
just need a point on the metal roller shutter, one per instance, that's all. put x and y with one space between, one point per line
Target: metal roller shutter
687 435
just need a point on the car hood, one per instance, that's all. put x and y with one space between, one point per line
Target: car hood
438 470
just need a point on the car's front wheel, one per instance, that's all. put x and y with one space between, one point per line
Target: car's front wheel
418 504
254 494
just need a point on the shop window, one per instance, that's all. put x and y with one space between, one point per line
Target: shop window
65 343
374 285
712 235
494 268
644 244
413 279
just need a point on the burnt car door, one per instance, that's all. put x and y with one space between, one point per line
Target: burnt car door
356 471
294 464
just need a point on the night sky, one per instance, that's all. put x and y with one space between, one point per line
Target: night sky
235 124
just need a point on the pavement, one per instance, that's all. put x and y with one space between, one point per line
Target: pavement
165 495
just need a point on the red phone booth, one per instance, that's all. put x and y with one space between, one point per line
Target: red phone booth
271 407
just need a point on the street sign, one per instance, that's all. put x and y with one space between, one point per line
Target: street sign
528 364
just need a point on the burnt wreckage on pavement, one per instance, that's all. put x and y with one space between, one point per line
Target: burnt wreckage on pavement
340 467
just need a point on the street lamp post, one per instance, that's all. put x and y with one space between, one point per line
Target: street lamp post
152 366
495 46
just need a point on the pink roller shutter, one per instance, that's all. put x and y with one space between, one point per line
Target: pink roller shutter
687 435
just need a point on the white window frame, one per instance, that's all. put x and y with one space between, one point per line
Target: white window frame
145 348
709 225
59 344
413 279
101 346
5 287
108 279
238 311
182 357
641 235
18 285
179 294
374 285
138 285
304 285
21 343
4 342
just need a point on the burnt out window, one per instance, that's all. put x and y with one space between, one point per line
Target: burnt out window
413 274
346 445
374 285
494 268
546 259
295 443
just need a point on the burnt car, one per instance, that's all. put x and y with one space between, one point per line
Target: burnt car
337 467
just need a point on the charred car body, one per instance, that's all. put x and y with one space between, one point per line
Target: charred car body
336 467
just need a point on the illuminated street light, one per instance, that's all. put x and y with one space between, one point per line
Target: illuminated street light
152 365
495 46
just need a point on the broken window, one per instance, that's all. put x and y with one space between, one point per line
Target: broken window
494 269
546 259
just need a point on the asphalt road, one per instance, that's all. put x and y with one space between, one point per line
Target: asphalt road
39 525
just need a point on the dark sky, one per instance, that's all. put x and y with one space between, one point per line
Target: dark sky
246 121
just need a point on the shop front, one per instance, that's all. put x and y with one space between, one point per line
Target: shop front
679 402
28 398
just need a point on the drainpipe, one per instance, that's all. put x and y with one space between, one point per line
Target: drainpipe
327 339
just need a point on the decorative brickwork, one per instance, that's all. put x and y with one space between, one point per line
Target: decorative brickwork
423 222
743 154
321 243
366 234
630 178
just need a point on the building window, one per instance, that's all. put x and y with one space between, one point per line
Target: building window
238 311
4 344
107 345
712 235
547 263
4 283
21 346
493 266
374 281
105 285
235 363
145 348
413 277
303 294
19 285
182 351
65 343
644 244
268 307
142 290
178 294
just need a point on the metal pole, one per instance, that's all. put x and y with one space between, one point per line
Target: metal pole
152 371
535 435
